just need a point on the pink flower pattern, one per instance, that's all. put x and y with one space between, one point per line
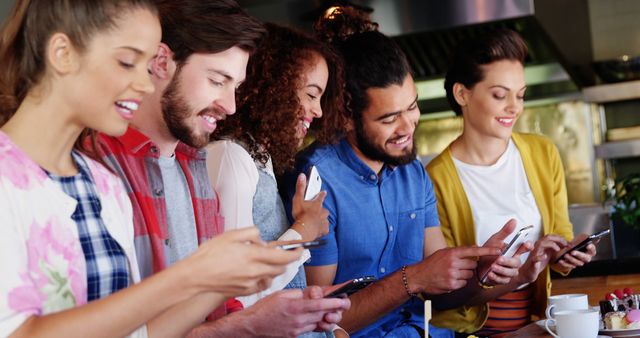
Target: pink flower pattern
55 277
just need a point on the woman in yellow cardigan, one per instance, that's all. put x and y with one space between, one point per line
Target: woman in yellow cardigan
489 175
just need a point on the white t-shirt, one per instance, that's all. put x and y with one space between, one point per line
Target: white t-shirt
499 192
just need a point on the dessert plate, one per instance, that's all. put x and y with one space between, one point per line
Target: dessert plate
618 333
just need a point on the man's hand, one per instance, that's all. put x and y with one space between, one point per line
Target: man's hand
502 269
310 213
574 258
235 263
290 313
446 269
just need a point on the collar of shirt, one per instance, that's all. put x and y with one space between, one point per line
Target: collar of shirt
349 157
135 141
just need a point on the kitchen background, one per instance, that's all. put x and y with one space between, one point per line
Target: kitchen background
584 82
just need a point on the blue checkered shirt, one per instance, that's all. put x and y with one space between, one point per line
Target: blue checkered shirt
107 264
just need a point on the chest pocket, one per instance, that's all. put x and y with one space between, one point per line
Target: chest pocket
410 235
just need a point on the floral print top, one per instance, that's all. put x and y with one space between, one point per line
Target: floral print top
42 266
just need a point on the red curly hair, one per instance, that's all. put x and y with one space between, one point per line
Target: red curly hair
268 107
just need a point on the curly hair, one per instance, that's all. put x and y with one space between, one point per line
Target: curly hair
269 111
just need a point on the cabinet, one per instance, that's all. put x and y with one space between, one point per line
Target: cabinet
619 132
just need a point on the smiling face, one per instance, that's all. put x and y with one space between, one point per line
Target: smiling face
493 105
385 133
314 82
201 93
112 76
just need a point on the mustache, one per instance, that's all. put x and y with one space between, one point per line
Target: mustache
218 113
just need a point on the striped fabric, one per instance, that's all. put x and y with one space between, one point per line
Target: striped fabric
508 313
107 263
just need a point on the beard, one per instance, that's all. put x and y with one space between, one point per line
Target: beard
377 153
176 112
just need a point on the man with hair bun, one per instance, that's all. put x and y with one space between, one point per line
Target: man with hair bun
383 218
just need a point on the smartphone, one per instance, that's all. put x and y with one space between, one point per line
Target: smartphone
304 245
314 184
516 241
351 287
512 247
582 246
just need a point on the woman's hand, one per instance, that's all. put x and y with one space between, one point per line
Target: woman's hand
311 218
235 263
502 269
543 251
574 258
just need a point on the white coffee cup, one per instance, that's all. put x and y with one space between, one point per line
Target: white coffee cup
573 301
574 323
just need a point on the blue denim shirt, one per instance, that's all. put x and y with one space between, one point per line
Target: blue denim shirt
376 224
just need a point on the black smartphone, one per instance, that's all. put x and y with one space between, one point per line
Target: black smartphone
304 245
351 287
582 246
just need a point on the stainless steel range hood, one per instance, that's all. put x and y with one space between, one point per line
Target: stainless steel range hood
557 32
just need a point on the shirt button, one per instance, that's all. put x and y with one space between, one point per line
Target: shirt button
373 177
382 270
413 215
391 228
158 191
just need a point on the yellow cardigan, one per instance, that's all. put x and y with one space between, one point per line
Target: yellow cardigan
546 177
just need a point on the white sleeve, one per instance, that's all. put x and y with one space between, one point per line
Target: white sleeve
18 296
282 280
234 176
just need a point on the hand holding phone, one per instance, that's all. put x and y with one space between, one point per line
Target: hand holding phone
350 287
582 246
512 247
314 184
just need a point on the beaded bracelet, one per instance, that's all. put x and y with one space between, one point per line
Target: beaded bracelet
405 281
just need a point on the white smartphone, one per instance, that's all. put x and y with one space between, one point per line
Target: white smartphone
512 247
516 241
314 184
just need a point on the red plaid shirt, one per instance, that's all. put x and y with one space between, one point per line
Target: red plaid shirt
135 159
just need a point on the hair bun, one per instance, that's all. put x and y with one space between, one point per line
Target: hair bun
339 23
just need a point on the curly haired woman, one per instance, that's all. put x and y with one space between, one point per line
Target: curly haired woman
292 81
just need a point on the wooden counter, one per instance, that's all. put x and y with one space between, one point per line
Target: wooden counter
595 287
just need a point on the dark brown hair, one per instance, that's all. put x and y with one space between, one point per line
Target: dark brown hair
372 59
268 106
467 59
206 26
25 35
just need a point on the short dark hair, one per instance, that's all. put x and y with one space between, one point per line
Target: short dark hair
206 26
467 59
372 59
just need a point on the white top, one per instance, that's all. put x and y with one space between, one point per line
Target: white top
234 176
42 265
499 192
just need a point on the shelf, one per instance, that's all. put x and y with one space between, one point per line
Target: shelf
620 149
612 92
